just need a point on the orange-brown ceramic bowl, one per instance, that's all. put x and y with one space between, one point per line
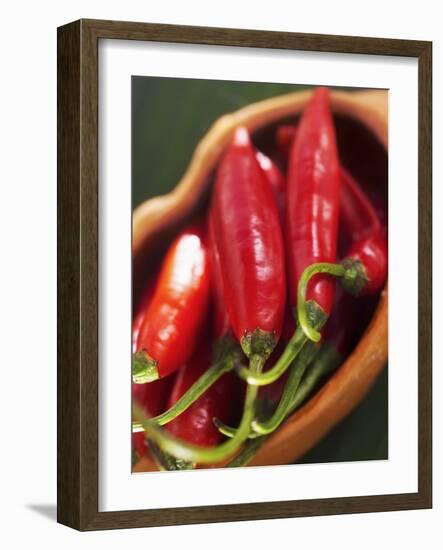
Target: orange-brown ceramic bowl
156 220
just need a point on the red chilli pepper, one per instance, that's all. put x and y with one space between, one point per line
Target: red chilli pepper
366 262
249 241
222 326
152 397
357 214
170 329
195 425
312 208
368 258
141 309
350 315
364 269
275 179
368 253
313 199
359 218
284 137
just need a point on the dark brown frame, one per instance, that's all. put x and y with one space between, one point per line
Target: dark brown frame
77 462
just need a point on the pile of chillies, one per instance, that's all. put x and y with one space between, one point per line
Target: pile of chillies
263 266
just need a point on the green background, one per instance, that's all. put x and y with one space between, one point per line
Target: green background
169 116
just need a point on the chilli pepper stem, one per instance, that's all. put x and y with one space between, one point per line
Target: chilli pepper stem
325 361
144 369
206 380
298 369
247 453
292 349
204 455
303 313
317 318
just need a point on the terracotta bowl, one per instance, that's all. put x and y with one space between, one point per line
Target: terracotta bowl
156 220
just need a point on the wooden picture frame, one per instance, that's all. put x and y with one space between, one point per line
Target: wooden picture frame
77 457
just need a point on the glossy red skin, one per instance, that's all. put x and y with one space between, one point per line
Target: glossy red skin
275 179
313 200
358 217
195 425
284 137
249 240
357 214
153 396
172 324
141 309
277 182
372 253
368 242
222 326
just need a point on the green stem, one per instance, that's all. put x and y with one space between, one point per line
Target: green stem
337 270
206 380
144 368
263 428
326 360
204 455
248 452
299 367
295 345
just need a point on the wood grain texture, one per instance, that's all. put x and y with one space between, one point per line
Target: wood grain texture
77 351
425 274
254 38
77 276
68 275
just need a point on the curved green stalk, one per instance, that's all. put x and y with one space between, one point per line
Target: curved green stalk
204 455
230 431
326 360
206 380
248 452
337 270
266 427
299 367
317 318
227 354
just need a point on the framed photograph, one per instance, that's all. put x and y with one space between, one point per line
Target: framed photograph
230 205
